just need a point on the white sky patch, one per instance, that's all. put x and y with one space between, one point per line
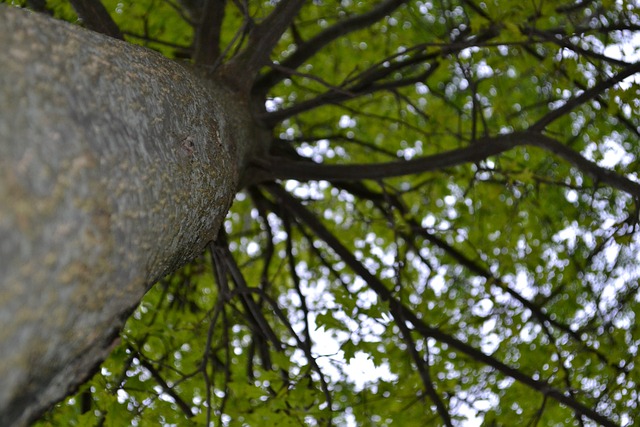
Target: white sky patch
360 370
610 151
273 104
438 284
568 235
614 154
490 340
409 153
327 343
571 196
623 52
346 122
253 249
122 396
483 70
482 308
628 51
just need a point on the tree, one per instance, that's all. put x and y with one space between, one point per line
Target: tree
446 189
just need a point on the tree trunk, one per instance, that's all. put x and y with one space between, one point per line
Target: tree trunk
117 166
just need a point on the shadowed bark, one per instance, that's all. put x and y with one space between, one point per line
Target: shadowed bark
116 167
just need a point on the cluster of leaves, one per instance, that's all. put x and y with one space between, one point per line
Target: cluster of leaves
500 288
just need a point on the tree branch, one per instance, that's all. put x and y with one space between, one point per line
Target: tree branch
280 168
311 47
306 344
206 40
303 345
423 369
364 83
96 18
263 39
624 120
253 313
39 6
184 406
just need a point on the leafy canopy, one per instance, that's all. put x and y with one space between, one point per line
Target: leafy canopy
484 269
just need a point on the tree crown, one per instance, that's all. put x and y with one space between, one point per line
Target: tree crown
447 192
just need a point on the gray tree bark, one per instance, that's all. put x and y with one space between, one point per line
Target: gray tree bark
117 166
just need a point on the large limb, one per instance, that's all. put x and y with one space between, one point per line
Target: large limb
206 40
276 167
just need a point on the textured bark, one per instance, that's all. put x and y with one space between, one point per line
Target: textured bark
117 166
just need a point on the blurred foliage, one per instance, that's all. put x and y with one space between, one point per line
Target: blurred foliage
522 256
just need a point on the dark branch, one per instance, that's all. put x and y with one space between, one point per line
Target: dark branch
279 168
206 40
423 370
184 406
39 6
254 315
263 39
292 72
605 103
303 171
306 344
311 47
416 230
96 18
146 38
